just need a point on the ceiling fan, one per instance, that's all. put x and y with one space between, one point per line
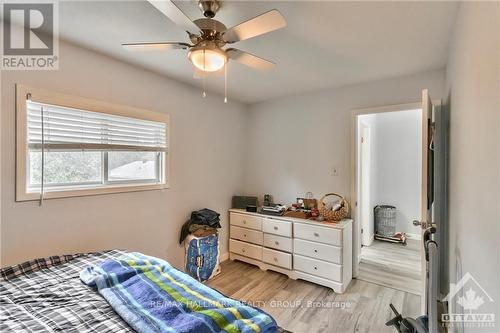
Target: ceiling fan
208 36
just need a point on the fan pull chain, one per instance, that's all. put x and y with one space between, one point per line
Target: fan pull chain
204 94
225 82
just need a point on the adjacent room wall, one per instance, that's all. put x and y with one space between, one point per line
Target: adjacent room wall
472 82
396 165
206 165
295 143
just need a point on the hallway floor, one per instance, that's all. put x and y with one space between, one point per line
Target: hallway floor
392 265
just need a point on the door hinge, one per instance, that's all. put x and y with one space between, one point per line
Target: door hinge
362 139
361 230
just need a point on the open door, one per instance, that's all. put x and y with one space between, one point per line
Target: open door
425 221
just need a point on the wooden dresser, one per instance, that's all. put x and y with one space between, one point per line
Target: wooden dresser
302 249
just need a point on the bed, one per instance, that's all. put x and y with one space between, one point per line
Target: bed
47 295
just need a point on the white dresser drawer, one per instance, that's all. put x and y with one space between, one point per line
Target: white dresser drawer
246 221
277 227
317 250
278 242
277 258
317 267
245 249
318 234
247 235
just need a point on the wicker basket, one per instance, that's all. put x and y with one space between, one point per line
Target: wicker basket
331 215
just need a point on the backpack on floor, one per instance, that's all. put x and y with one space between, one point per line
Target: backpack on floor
202 256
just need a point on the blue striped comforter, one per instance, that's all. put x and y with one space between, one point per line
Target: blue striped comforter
152 296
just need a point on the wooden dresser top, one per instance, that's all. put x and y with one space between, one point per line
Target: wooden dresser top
336 225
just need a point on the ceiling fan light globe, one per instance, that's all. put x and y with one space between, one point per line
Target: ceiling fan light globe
208 60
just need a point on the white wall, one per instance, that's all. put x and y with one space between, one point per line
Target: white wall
211 155
206 165
295 142
396 165
473 75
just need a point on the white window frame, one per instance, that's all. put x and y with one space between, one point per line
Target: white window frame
54 98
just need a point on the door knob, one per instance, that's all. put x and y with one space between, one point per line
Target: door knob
417 223
424 224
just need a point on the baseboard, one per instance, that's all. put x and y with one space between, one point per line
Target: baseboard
223 257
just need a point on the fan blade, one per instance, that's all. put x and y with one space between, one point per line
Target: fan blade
250 60
264 23
170 10
154 46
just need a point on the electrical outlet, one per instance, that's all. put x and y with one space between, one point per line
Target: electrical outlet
335 171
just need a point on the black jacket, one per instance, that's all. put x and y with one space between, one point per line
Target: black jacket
204 216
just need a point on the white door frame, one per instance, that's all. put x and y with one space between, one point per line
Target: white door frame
354 180
363 174
356 248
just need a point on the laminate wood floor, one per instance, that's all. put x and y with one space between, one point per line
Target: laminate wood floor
392 265
303 307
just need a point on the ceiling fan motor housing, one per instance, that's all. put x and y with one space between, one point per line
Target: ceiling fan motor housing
209 7
211 32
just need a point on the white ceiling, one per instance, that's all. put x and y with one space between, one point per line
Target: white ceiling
325 44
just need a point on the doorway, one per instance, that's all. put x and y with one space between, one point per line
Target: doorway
389 193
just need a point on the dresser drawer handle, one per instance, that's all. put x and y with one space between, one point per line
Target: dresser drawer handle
277 243
316 234
244 235
275 259
315 251
275 228
316 268
244 221
243 250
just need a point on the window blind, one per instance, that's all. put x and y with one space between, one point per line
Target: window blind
67 128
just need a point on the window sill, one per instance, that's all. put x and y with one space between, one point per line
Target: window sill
69 193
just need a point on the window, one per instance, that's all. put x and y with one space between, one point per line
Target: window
69 146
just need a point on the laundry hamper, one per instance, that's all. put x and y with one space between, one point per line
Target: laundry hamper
202 256
385 220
